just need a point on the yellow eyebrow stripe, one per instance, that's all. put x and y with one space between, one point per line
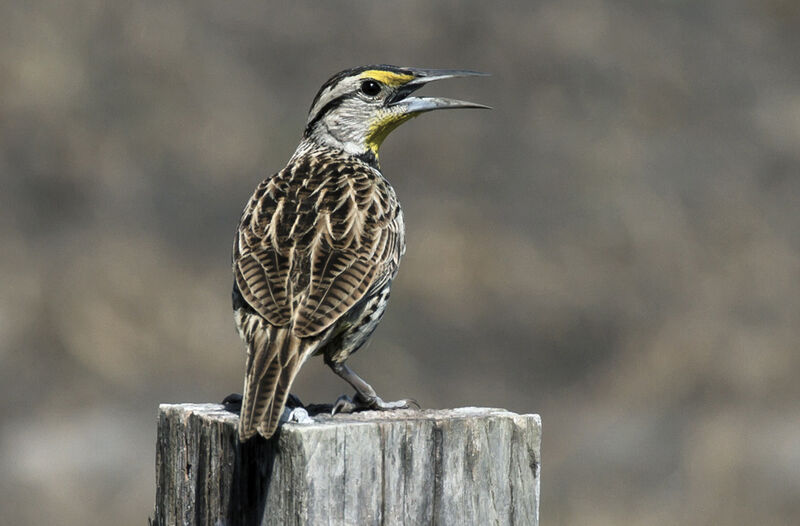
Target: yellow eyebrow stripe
389 78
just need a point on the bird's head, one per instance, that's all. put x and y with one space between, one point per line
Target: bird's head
357 108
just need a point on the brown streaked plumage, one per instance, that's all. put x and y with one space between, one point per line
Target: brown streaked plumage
319 243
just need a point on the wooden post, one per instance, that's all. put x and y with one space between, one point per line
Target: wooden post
456 466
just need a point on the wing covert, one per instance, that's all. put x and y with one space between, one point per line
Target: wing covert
315 239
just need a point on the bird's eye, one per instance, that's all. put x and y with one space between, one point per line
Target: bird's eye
370 88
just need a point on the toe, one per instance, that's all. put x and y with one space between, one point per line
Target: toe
293 401
344 404
405 403
233 403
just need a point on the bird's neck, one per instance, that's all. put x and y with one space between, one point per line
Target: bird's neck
309 145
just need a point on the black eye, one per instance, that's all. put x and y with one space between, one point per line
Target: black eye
370 88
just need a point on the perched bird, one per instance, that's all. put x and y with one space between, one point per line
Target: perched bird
319 242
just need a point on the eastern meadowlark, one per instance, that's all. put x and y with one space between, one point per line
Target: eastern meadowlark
319 242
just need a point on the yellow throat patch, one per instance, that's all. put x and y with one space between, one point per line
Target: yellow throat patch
381 129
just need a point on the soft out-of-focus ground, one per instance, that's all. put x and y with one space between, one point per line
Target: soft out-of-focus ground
616 246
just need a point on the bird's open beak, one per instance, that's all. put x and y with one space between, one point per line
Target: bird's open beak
415 105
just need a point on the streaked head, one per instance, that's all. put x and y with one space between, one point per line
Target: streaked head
357 108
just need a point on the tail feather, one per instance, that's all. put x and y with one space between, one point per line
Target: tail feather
274 359
269 423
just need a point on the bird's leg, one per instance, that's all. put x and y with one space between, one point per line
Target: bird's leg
365 398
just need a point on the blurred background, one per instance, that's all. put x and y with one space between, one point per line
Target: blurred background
616 246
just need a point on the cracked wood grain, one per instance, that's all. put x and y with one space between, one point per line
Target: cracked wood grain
455 466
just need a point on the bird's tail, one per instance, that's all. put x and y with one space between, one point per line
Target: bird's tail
274 357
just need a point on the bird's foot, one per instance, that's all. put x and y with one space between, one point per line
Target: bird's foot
345 404
295 411
299 415
233 403
293 402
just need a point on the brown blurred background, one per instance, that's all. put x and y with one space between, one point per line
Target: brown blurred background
616 246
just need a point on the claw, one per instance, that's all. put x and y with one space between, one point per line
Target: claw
406 403
343 404
388 406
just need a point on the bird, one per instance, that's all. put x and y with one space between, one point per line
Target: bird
319 242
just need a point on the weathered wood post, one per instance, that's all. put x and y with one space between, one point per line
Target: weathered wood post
458 466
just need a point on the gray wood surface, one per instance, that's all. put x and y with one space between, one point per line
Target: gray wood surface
456 466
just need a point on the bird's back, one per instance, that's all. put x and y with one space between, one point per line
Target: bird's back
314 239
